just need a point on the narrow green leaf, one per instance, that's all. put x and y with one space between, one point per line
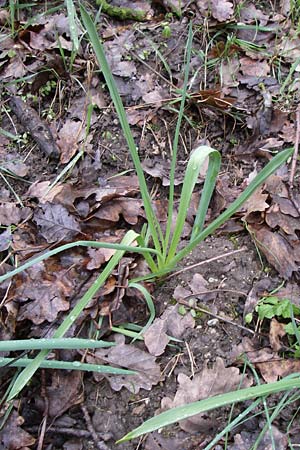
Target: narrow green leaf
195 163
268 170
72 24
115 96
64 343
183 412
93 244
66 365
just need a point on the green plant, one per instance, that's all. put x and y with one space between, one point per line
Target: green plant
160 249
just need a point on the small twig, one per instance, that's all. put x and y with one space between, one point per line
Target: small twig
46 411
233 291
216 316
207 261
99 444
74 432
295 154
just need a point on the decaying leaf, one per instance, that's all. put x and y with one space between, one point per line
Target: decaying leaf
221 10
65 391
41 295
56 223
209 382
128 357
245 440
69 137
268 362
280 253
277 330
10 214
197 289
12 437
171 323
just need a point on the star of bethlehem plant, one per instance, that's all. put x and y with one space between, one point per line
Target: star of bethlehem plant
158 248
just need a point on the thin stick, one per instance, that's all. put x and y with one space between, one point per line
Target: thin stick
295 154
207 261
99 444
216 316
76 432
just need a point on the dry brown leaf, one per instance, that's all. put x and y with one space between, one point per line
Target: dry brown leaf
171 323
65 391
277 330
257 202
128 357
10 214
250 14
69 137
129 208
268 362
156 338
5 240
155 441
275 218
12 437
280 253
246 440
197 287
207 383
253 67
41 295
221 10
56 223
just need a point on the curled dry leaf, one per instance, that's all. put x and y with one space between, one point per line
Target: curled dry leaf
247 440
170 323
268 362
207 383
277 330
132 358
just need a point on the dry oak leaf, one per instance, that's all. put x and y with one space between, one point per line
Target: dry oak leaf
221 10
12 437
56 223
42 295
247 440
277 330
132 358
280 253
11 214
171 322
207 383
64 392
69 137
268 362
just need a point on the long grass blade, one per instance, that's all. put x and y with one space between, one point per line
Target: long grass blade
93 244
115 96
191 409
268 170
66 365
72 24
190 179
176 140
40 344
